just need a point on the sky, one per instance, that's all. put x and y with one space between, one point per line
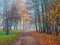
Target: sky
9 3
1 5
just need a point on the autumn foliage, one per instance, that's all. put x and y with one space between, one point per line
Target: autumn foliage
54 11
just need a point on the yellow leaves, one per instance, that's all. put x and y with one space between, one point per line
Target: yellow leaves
58 6
51 11
54 22
54 12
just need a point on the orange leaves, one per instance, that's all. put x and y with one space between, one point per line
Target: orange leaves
45 39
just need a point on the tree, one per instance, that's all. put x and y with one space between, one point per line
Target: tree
14 16
37 15
6 17
54 10
10 16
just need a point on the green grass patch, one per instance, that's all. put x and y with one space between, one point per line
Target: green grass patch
9 39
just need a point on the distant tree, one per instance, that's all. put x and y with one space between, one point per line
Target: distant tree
5 27
14 16
10 16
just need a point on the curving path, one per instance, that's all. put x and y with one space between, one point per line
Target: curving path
26 39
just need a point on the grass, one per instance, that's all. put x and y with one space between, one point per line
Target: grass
9 39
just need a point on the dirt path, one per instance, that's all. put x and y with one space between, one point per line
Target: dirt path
26 39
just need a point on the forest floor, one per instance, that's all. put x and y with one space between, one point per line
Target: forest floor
46 39
34 38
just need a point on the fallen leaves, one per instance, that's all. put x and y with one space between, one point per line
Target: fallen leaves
45 39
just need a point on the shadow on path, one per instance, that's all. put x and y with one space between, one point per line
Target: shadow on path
26 39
